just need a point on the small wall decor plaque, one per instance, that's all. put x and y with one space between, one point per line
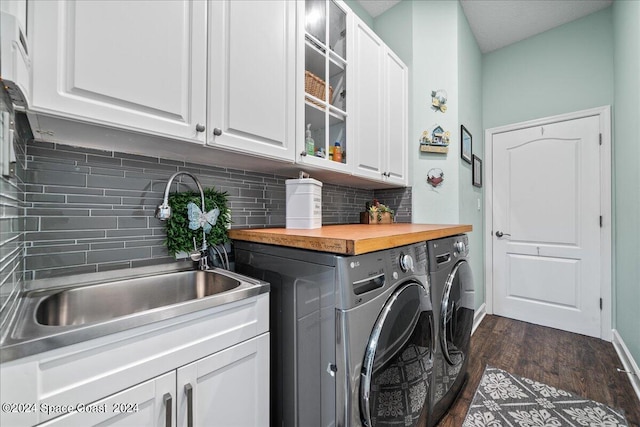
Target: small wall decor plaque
435 177
435 141
466 144
476 171
439 100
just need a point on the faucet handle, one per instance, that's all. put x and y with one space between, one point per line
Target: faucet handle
195 255
204 264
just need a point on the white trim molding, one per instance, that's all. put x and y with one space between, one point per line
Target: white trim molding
629 364
479 314
604 113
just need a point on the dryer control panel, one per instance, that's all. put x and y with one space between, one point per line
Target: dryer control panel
445 252
363 277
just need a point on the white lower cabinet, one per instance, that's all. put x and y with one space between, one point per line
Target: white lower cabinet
209 368
229 388
226 389
148 404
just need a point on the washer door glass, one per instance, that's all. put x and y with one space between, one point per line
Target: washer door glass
398 363
456 314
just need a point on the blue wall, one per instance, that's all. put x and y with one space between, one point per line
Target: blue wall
566 69
470 115
587 63
590 62
448 59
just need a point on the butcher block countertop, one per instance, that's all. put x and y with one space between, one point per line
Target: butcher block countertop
349 239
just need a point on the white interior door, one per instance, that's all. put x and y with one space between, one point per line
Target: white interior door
546 225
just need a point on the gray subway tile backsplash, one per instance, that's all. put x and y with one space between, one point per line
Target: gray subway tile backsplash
96 212
13 222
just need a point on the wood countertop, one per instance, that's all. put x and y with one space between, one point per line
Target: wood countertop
349 239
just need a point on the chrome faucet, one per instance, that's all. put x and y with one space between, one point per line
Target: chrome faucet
163 213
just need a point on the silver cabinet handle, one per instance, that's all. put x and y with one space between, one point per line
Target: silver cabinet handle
217 131
500 234
168 404
303 153
188 389
200 128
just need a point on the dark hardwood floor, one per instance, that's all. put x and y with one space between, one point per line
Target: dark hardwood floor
576 363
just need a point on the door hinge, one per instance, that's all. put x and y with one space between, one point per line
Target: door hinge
600 139
601 221
600 303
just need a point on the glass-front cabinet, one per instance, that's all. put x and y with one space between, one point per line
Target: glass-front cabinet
322 131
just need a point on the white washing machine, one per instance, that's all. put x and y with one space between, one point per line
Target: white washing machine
453 298
352 337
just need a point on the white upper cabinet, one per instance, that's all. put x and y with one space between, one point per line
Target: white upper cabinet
136 65
252 77
396 120
303 83
368 106
220 72
324 85
381 110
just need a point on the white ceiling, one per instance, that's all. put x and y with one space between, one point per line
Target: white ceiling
498 23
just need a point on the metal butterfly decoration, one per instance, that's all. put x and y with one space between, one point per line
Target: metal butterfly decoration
199 219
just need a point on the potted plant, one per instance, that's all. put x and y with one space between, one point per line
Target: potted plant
376 213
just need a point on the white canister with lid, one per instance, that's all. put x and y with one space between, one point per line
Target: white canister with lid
304 203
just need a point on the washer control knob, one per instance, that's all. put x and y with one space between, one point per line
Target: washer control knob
406 262
460 247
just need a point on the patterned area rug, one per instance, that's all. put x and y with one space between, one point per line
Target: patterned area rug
503 399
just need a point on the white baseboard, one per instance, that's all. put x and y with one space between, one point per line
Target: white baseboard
628 362
478 316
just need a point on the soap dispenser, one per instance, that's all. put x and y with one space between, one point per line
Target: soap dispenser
310 144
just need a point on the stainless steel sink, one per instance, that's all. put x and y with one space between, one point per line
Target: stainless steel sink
99 303
54 313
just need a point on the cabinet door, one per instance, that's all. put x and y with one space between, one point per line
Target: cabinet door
229 388
136 64
369 95
396 121
325 55
252 81
151 403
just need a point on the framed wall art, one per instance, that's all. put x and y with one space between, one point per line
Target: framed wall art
466 144
476 171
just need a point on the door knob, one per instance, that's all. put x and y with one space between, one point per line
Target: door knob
500 234
200 128
217 131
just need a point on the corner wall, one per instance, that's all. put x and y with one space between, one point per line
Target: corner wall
446 57
626 154
470 115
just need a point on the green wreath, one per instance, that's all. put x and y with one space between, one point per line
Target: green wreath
180 236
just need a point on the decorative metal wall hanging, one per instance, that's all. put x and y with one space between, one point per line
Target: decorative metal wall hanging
435 177
435 141
439 100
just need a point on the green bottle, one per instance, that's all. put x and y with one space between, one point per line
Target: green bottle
310 144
